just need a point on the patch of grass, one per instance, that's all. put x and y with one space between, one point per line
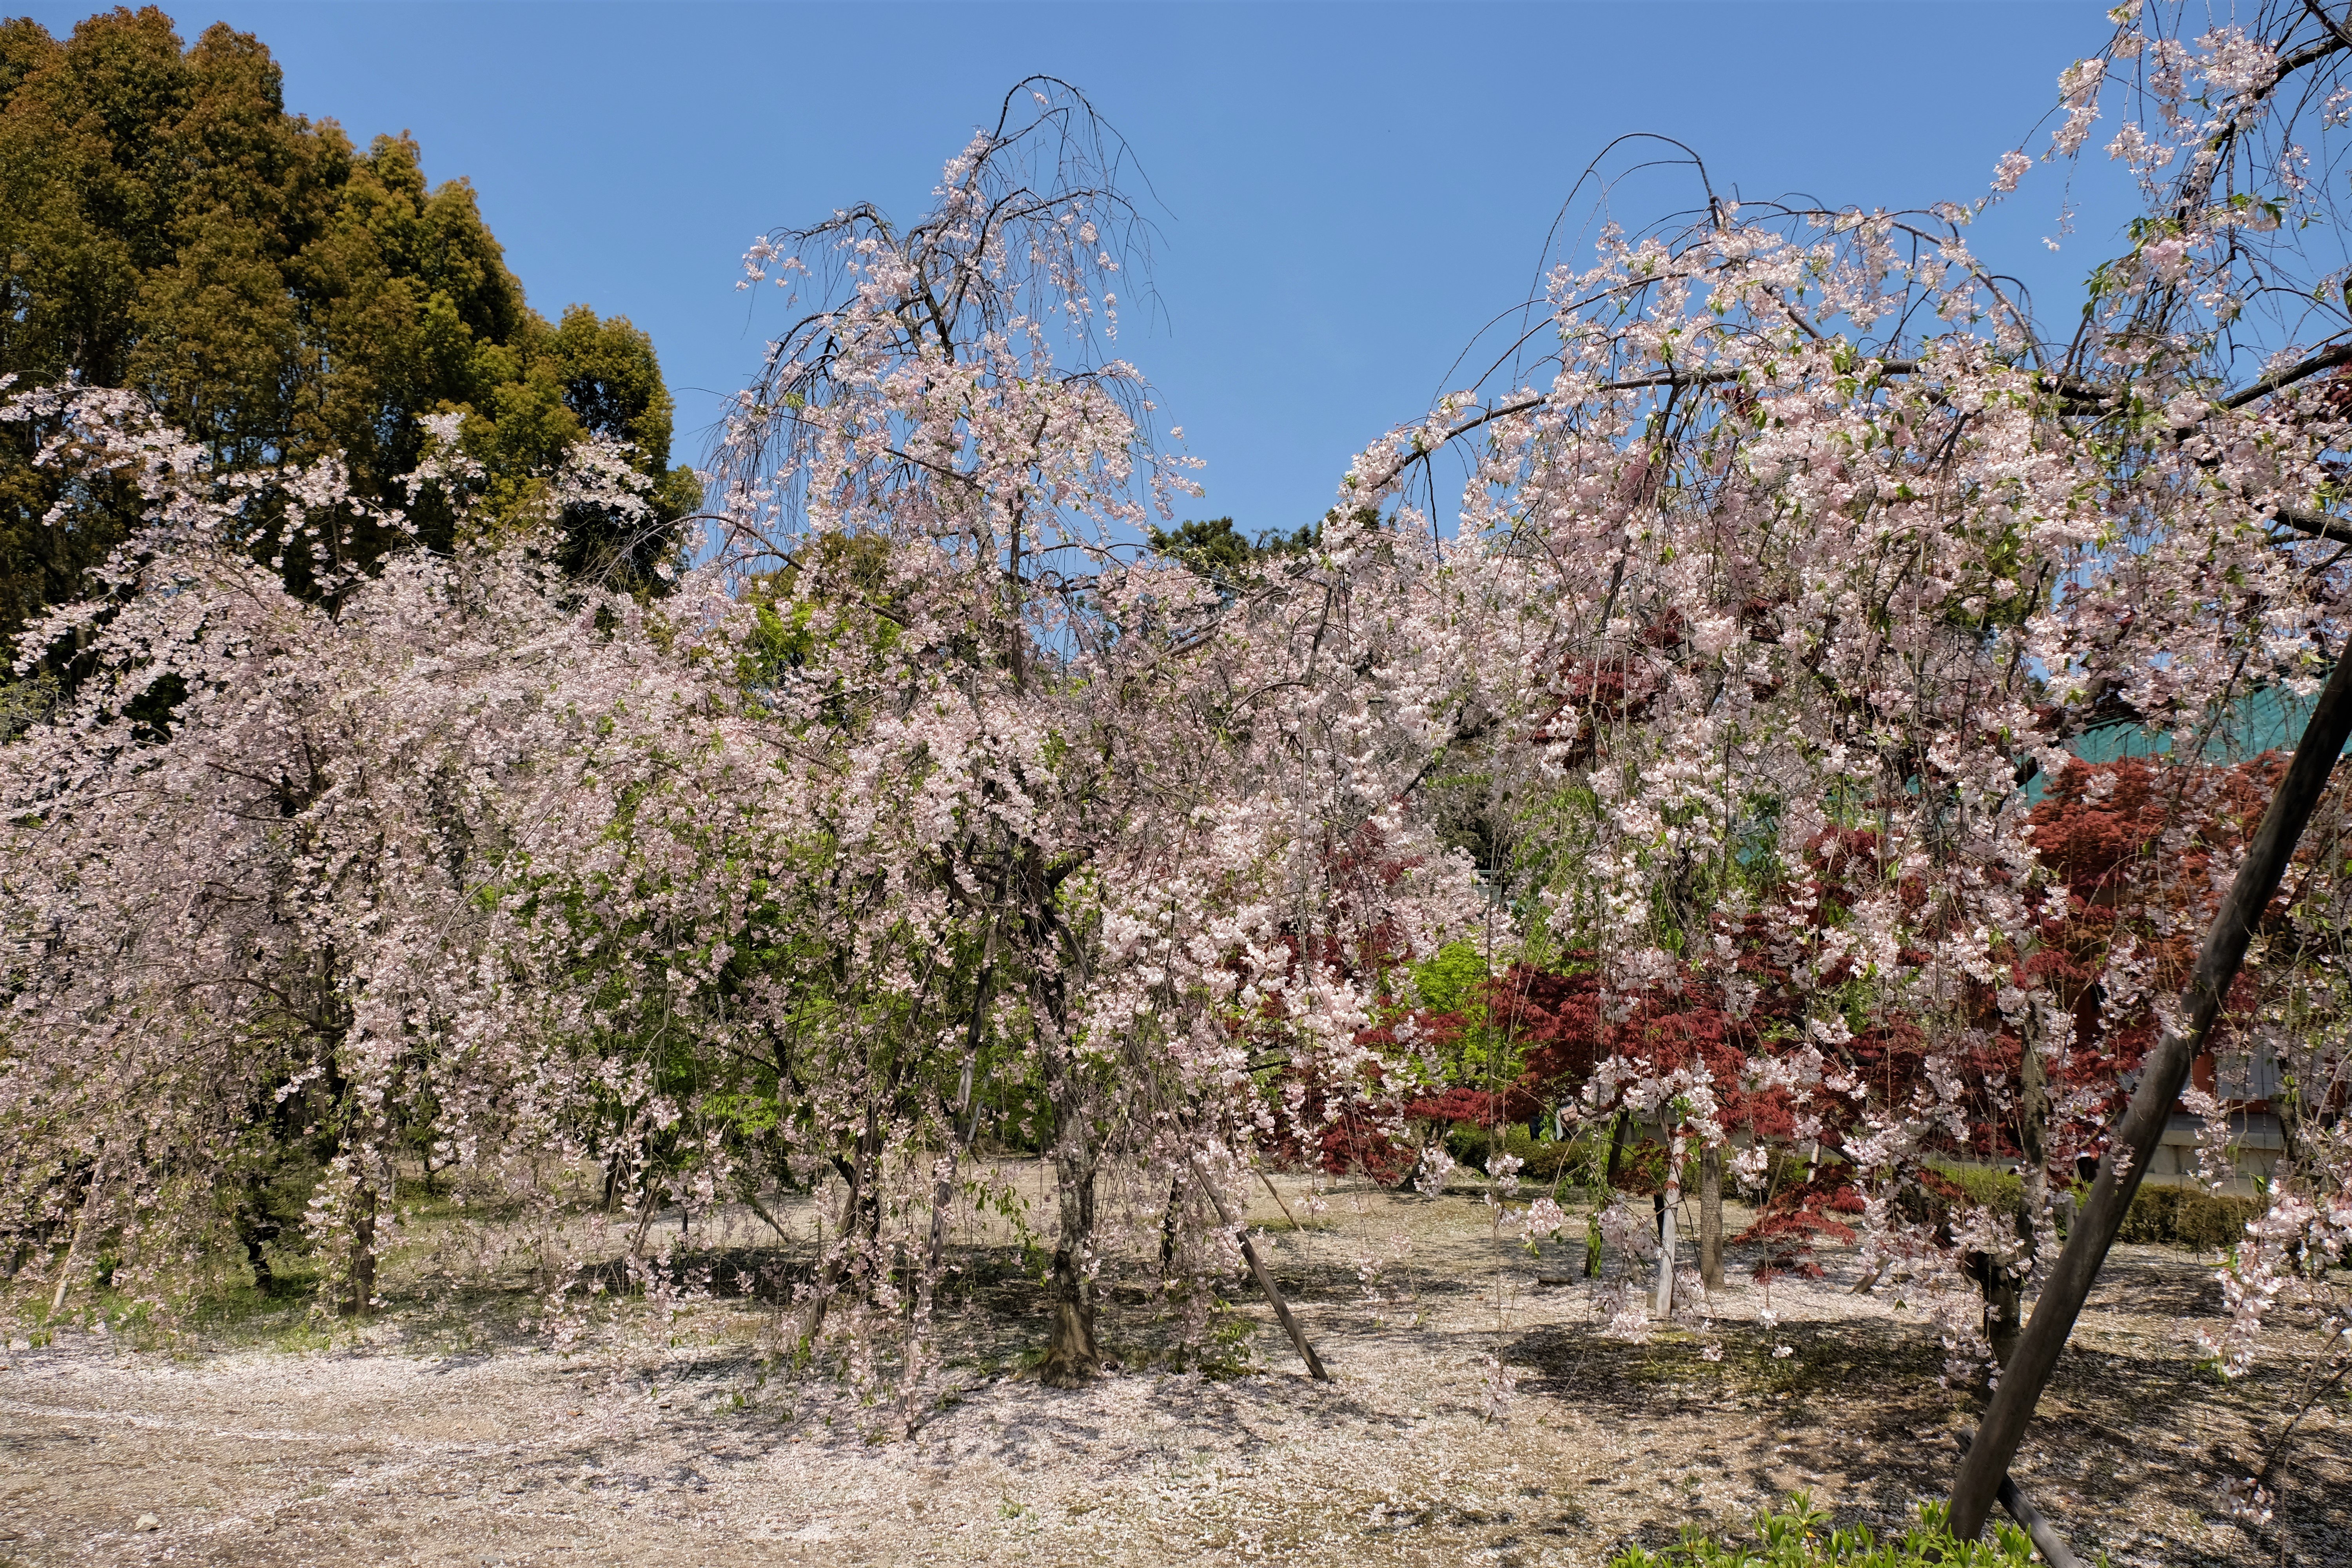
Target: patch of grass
288 1290
1825 1362
1817 1363
274 1313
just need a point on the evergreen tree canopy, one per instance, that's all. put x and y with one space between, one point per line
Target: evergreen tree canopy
1221 554
166 226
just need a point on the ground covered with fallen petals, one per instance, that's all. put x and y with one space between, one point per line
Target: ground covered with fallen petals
454 1433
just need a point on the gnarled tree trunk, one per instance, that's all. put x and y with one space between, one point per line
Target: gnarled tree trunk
1073 1356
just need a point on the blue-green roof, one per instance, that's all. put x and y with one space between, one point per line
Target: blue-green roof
2269 719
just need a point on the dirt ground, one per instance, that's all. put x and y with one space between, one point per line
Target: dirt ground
450 1432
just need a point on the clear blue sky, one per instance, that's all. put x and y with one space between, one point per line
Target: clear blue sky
1345 192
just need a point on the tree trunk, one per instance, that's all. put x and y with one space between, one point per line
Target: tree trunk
360 1302
1167 1219
2004 1293
1710 1219
2005 1297
2165 1070
943 1189
855 1211
1073 1356
255 1231
1608 1185
1616 1151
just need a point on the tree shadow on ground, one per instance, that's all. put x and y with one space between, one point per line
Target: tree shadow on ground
1855 1405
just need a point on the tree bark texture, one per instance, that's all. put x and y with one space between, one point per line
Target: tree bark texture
362 1301
2037 1529
1073 1356
1607 1185
1668 1205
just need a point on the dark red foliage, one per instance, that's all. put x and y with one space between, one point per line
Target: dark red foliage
2142 845
1359 1141
1596 694
1801 1212
1515 1104
1357 1138
2135 842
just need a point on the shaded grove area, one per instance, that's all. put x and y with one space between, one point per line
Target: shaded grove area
452 1430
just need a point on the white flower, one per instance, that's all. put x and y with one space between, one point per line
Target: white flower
1542 1218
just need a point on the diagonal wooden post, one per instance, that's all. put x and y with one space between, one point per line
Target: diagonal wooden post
1986 1464
1272 1192
1266 1281
2038 1530
89 1201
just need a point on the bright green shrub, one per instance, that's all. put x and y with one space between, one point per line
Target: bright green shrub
1800 1537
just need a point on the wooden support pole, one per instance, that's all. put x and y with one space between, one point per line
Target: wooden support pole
89 1199
1282 1311
1275 1195
1266 1283
1986 1465
2038 1530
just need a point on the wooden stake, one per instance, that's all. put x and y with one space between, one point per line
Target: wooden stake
73 1248
1985 1466
1266 1283
2039 1531
1277 1201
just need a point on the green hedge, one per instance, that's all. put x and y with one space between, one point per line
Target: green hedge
2188 1216
2175 1217
1992 1188
1545 1159
1470 1143
1800 1537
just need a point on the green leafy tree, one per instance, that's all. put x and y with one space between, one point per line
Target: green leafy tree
166 226
1221 554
